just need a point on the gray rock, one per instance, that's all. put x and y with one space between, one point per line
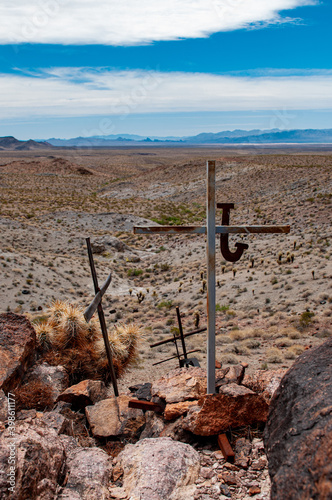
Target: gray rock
298 435
159 469
107 243
38 456
89 474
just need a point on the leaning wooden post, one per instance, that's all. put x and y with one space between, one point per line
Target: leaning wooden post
102 320
211 277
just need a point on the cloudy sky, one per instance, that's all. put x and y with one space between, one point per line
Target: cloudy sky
73 68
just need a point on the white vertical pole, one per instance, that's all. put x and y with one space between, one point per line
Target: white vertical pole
211 276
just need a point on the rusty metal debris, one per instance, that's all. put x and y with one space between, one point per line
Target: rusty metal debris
226 448
182 357
240 247
145 405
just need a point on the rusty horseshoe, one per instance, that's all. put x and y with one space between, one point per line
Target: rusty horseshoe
240 247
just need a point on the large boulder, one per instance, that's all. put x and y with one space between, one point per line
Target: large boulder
107 243
89 473
298 435
234 406
156 469
17 349
32 461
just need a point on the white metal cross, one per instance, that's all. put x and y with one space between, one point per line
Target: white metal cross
211 230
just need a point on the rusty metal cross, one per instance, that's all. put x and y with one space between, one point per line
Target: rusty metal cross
211 230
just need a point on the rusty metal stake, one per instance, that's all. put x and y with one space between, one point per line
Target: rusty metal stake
102 319
181 332
211 277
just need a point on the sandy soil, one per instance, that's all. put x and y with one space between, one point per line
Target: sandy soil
51 203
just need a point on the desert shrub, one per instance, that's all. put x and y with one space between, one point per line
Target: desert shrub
306 318
252 343
222 308
274 355
229 358
294 351
284 342
34 394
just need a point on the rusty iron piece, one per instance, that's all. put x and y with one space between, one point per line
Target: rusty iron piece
181 332
145 405
224 248
91 309
102 319
226 448
173 357
170 339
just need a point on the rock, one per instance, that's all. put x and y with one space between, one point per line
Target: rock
264 382
234 406
112 417
242 453
17 349
144 392
85 393
3 407
156 469
89 474
254 490
55 377
298 435
181 384
175 410
153 427
39 458
57 422
231 375
107 243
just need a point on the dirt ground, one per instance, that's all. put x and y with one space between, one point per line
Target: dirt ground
271 305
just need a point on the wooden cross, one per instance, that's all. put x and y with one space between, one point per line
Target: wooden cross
211 230
97 305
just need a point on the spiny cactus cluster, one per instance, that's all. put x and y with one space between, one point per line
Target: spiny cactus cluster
66 339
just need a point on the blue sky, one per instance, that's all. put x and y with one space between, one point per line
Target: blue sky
157 67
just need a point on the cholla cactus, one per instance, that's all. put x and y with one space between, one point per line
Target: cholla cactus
44 333
72 329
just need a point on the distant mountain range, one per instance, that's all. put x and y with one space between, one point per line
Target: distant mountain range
274 136
257 136
11 144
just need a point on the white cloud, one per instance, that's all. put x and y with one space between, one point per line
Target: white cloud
131 22
83 92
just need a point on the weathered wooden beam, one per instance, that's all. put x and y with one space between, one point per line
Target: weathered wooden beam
267 229
226 448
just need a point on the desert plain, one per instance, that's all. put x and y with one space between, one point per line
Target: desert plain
271 305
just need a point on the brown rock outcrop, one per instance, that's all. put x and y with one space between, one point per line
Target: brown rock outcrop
87 392
17 349
234 406
298 435
176 410
112 417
